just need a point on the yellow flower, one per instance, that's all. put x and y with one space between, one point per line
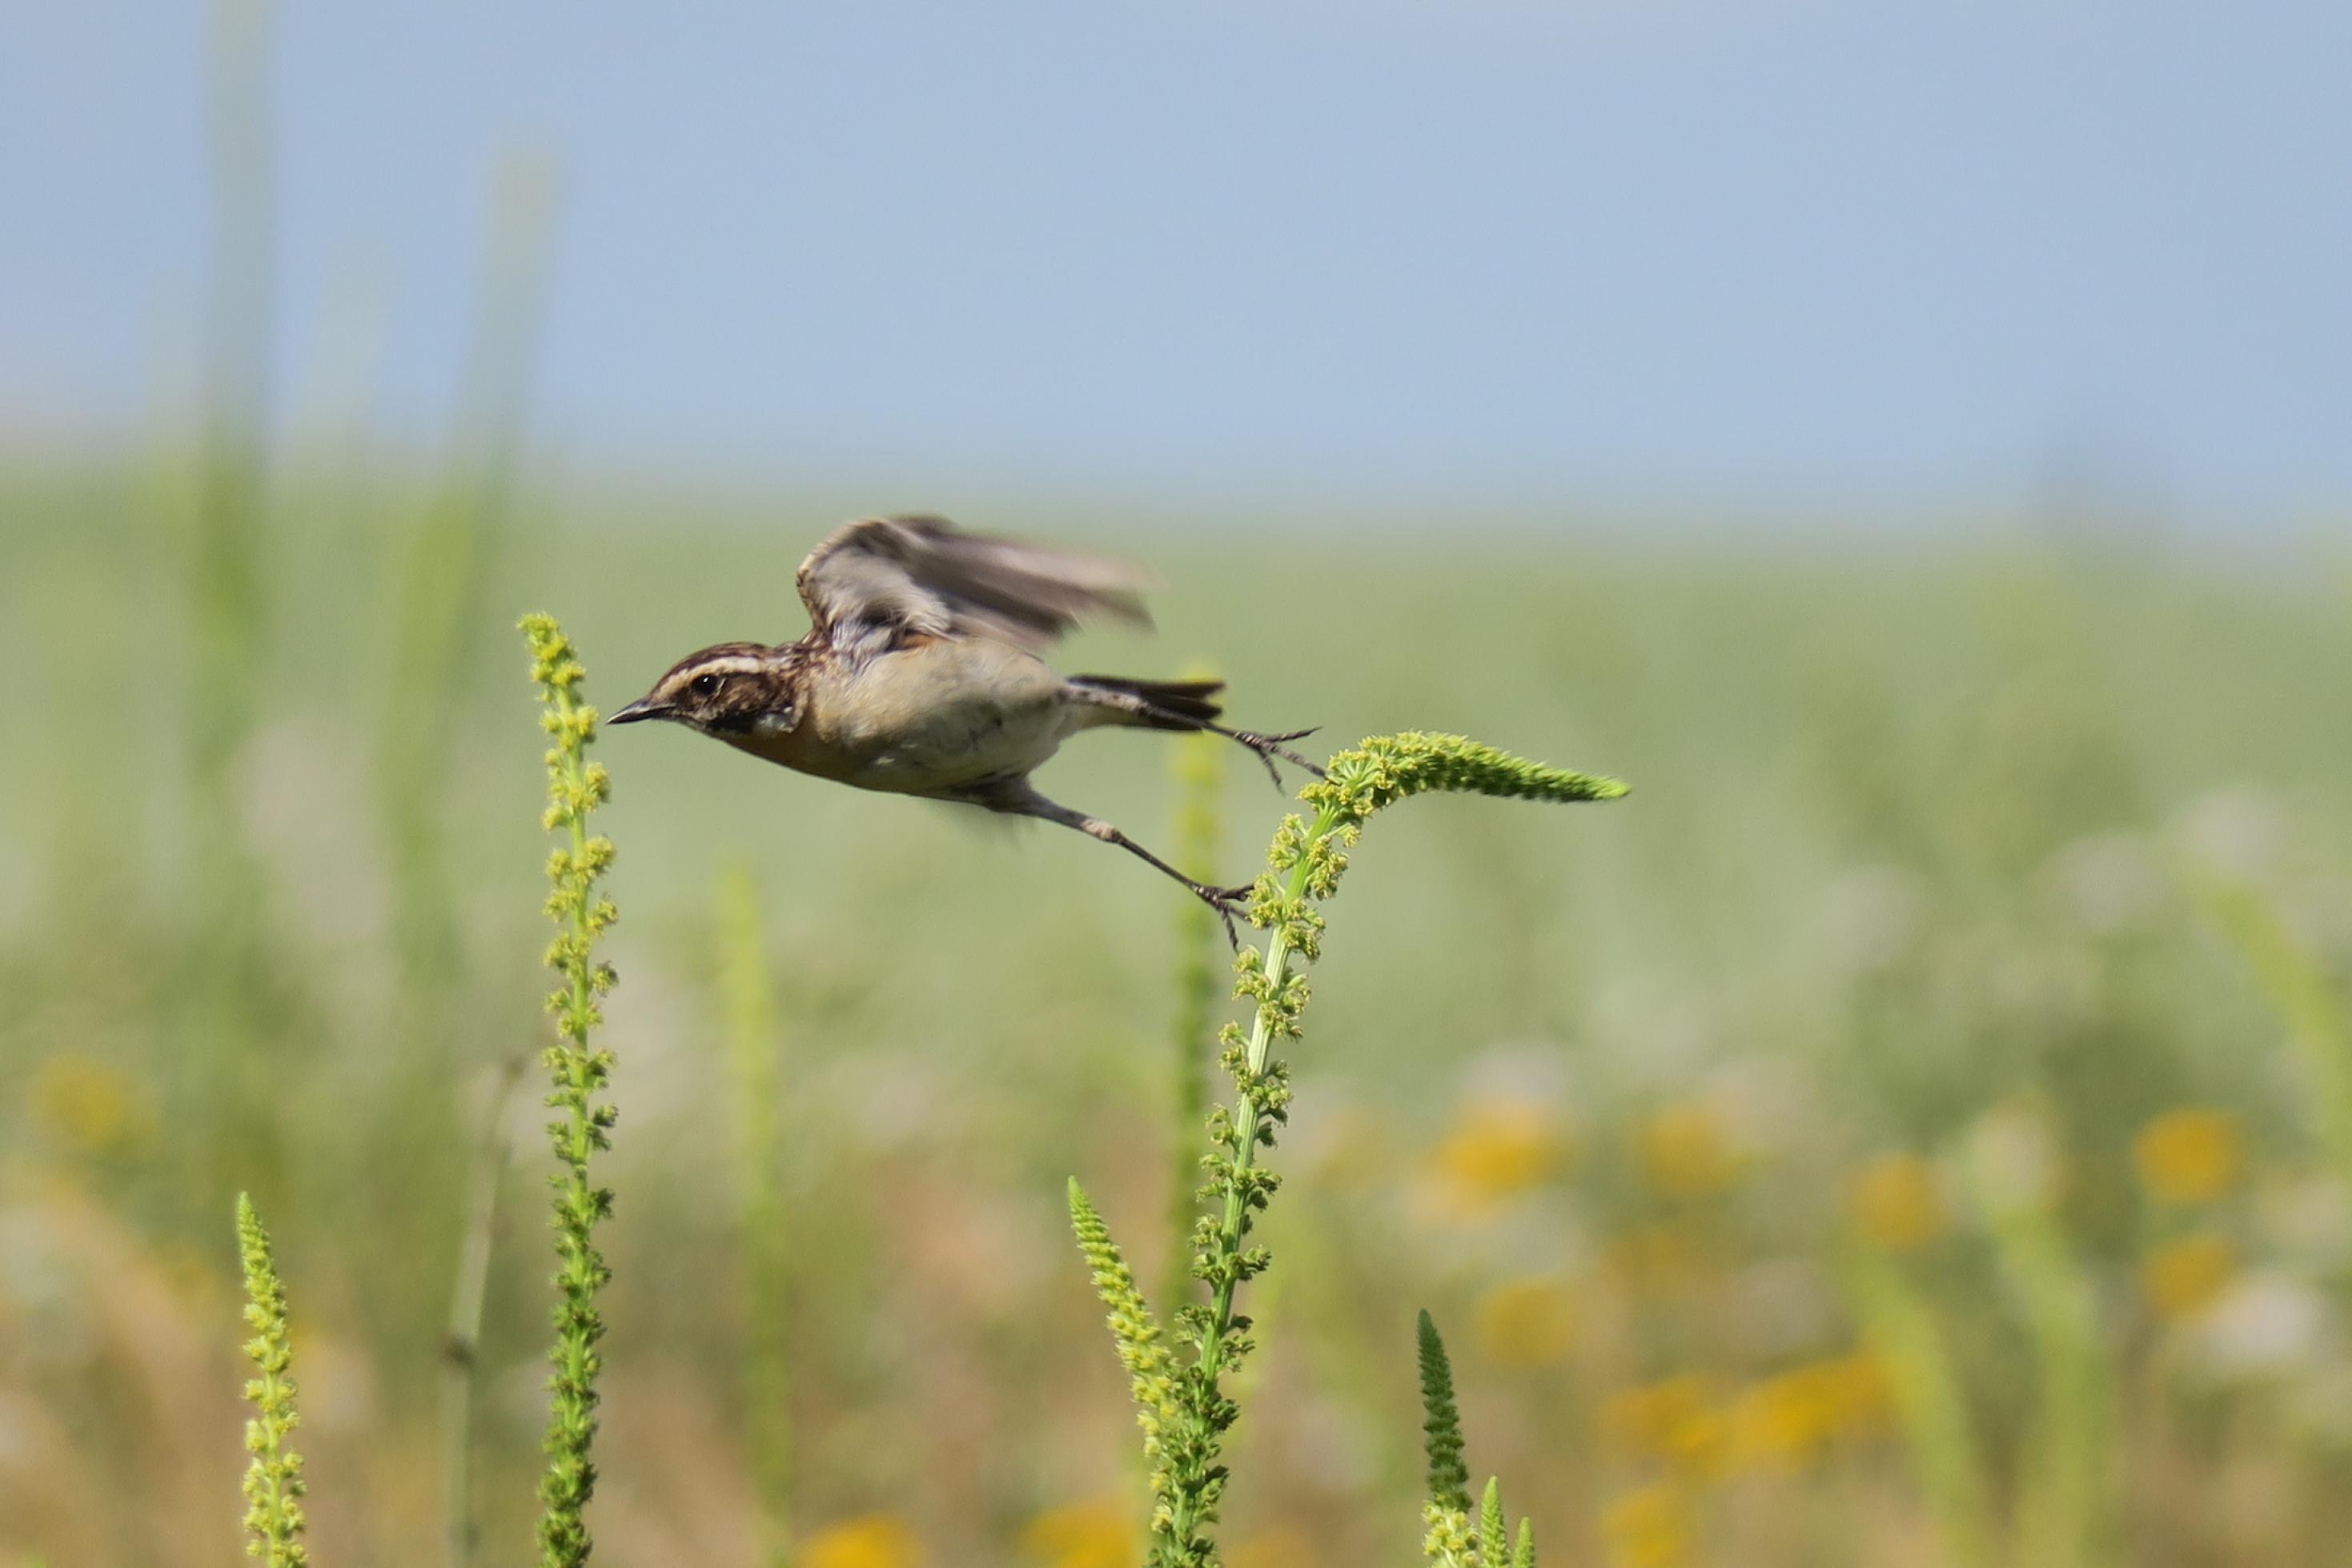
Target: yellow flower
2183 1278
1649 1528
1097 1534
870 1540
1284 1546
91 1106
1786 1420
1675 1420
1497 1150
1687 1152
1895 1202
1526 1322
2189 1155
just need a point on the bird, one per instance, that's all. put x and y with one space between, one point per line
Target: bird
921 674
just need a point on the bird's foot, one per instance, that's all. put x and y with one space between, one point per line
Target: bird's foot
1228 901
1269 747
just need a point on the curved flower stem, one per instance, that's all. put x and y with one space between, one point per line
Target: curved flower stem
1305 863
1220 1346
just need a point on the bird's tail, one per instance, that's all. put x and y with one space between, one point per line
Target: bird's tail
1153 704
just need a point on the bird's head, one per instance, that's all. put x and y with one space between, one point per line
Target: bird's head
734 691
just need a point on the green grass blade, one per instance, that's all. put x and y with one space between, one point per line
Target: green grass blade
1899 1322
753 1049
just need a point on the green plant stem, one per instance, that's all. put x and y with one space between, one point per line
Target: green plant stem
1200 766
2066 1493
1242 1143
752 1052
1199 1483
1899 1322
461 1349
2297 984
447 564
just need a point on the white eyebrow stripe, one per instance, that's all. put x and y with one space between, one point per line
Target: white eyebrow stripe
734 665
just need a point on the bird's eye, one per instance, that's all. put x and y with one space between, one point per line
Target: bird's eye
704 686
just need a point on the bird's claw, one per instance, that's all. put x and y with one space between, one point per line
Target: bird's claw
1269 747
1228 901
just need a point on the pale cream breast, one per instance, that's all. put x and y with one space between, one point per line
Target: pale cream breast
926 720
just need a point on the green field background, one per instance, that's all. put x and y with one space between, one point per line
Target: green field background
1974 940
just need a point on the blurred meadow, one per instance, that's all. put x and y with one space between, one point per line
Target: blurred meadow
1914 1128
1976 930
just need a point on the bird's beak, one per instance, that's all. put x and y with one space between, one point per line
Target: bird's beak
644 708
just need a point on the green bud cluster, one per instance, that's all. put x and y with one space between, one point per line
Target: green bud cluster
1450 1539
1441 1425
1142 1346
273 1480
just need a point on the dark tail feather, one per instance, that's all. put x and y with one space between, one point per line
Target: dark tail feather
1159 704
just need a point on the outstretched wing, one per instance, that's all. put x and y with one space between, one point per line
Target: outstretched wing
882 578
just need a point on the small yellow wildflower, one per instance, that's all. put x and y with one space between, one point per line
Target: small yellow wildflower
93 1107
1677 1420
1097 1534
2183 1278
1284 1546
869 1540
1100 1533
2190 1155
1686 1151
1497 1150
1526 1322
1785 1421
1649 1528
1895 1203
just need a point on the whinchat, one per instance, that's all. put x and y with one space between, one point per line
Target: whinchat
919 675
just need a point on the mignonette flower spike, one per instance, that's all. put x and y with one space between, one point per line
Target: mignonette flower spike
1446 1506
1304 864
273 1480
579 1073
1142 1349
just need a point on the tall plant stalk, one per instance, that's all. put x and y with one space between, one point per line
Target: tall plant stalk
752 1054
580 1071
444 576
1200 763
1900 1321
1186 1424
226 575
2067 1492
461 1349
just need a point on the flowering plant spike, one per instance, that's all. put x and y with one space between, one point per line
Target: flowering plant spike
1185 1433
273 1480
580 1071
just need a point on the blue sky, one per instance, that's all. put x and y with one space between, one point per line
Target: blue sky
1509 251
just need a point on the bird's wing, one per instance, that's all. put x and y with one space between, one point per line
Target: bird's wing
886 575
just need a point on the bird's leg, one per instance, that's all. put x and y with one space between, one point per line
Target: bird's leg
1226 901
1269 747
